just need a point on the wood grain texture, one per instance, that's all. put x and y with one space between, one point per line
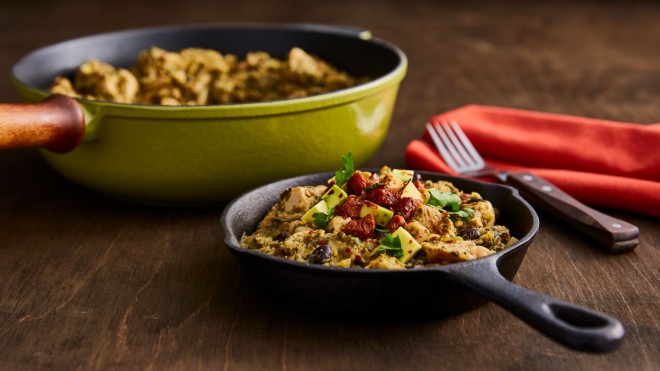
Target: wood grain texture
90 283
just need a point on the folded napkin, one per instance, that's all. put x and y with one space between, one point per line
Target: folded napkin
599 162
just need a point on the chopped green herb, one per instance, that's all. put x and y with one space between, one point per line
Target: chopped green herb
445 200
449 202
391 245
321 220
369 187
463 214
347 170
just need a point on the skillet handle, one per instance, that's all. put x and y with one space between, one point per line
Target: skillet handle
57 123
566 323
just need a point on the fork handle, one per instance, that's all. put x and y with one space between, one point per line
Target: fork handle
613 234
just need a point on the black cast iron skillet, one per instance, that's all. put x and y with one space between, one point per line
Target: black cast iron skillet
423 292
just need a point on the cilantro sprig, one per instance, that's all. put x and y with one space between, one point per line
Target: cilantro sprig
321 220
465 215
445 200
449 202
347 170
391 245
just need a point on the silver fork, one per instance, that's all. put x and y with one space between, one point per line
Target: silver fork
457 151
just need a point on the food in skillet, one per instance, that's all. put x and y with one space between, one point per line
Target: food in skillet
197 76
387 220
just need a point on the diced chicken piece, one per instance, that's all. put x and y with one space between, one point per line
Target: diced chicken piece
417 230
199 60
390 180
484 213
62 85
291 206
345 263
428 216
302 228
384 261
337 223
301 199
452 250
434 220
303 63
98 80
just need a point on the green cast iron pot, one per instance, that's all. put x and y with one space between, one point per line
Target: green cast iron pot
203 155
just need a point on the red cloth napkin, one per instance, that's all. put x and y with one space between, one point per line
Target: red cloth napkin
599 162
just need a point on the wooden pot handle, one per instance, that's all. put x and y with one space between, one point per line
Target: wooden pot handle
57 123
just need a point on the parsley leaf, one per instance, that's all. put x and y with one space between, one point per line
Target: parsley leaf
321 220
463 214
347 170
445 200
391 245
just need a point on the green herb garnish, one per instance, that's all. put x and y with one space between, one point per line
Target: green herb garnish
321 220
391 245
450 203
446 200
342 176
369 187
466 214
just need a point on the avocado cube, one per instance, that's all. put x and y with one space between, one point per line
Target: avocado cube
334 196
427 196
381 215
320 207
404 175
411 191
408 244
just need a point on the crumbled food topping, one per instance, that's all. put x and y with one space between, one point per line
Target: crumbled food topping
195 76
379 221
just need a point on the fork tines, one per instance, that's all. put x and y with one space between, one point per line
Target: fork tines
454 147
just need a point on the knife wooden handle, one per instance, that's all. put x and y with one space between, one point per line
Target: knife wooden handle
613 234
57 123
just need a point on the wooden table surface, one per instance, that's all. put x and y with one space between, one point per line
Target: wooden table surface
91 283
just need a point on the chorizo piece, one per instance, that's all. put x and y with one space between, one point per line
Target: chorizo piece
361 228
